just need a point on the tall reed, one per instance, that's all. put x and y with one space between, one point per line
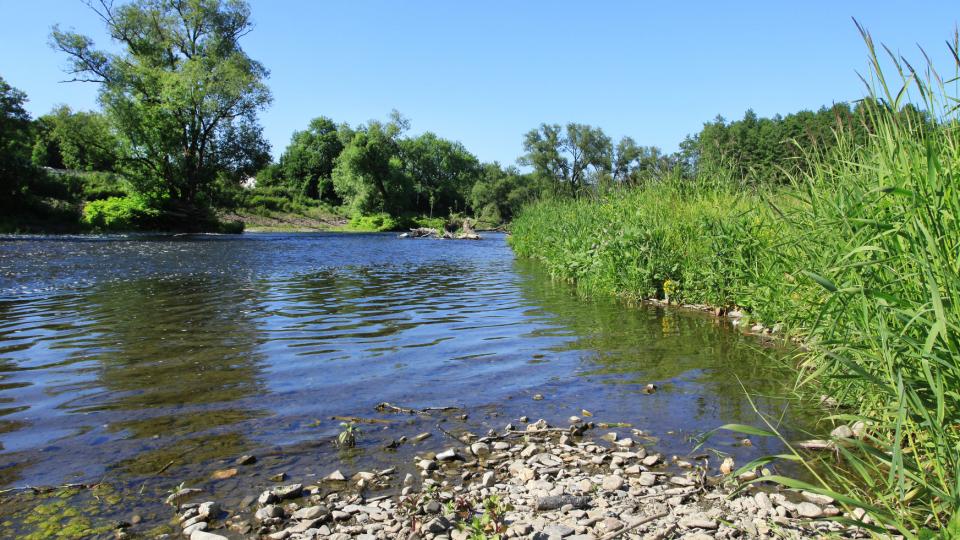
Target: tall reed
860 257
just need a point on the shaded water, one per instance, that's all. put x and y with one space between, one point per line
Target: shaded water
144 361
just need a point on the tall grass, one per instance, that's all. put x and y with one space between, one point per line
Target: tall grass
860 257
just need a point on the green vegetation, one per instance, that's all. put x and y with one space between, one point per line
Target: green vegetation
119 214
858 253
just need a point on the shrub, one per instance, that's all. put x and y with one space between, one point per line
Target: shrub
119 214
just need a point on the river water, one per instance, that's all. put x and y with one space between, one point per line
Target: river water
145 361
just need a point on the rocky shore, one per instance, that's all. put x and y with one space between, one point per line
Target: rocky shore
539 482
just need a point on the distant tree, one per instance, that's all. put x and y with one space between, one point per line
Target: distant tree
307 163
500 193
633 164
369 175
570 157
15 138
442 172
75 140
180 84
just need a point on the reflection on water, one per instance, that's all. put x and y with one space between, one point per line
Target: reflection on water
124 357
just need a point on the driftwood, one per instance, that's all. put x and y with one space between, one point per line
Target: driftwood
633 525
558 501
387 407
359 420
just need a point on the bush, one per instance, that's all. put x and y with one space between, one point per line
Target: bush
374 223
120 214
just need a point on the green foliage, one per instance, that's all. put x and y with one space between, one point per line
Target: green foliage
348 436
120 214
307 163
15 167
499 194
369 174
82 141
859 255
442 173
181 93
379 222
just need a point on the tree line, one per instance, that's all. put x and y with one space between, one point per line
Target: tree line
178 134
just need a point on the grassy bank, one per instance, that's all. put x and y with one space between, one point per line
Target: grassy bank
860 257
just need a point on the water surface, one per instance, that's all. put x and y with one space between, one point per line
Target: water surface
145 360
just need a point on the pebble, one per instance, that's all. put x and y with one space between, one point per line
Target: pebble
612 483
809 510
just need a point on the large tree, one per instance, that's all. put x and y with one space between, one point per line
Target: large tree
14 142
571 157
75 140
442 172
307 163
369 174
180 85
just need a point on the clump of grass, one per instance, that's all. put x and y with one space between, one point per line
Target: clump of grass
347 438
860 256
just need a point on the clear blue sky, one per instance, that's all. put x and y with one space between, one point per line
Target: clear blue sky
485 72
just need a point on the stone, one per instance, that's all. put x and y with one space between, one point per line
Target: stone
651 460
558 529
199 526
816 498
223 474
335 476
437 525
450 454
574 420
480 449
291 491
698 521
681 481
408 480
267 497
647 479
842 432
209 509
809 510
624 443
311 512
427 465
612 483
203 535
488 479
267 512
246 460
422 436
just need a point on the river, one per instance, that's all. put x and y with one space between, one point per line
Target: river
143 361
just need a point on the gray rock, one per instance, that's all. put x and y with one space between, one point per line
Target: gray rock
612 483
267 497
816 498
647 479
558 529
449 454
291 491
842 432
809 510
489 478
437 525
202 535
267 512
335 476
199 526
698 521
480 449
311 512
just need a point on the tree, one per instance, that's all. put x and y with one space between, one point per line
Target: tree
633 164
499 194
571 158
442 172
369 174
307 163
75 140
15 130
180 85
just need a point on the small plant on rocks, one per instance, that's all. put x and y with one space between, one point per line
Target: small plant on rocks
348 437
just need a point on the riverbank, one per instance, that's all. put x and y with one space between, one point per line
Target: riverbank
535 481
858 260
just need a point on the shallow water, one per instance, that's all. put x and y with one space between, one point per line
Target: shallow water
148 360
